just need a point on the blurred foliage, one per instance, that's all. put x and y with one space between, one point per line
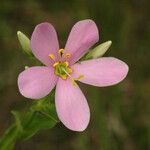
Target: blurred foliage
120 115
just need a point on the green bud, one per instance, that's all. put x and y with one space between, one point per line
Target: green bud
24 42
99 51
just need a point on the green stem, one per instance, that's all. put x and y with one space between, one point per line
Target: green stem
31 123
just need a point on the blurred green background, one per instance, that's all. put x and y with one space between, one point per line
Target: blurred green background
120 115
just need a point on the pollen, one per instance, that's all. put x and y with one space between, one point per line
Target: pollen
52 57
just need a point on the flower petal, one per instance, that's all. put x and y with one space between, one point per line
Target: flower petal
36 82
71 105
104 71
43 42
83 35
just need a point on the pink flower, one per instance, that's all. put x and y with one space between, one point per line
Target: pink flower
62 70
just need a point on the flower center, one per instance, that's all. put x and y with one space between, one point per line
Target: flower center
62 68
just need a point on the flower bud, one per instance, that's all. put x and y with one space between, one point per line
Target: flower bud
25 43
99 51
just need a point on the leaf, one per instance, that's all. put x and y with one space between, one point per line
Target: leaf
37 121
17 120
42 115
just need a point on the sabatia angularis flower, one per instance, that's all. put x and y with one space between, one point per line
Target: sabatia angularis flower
62 70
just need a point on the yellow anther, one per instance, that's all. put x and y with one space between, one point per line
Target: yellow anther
66 63
76 79
52 57
61 51
69 70
67 55
64 77
73 82
55 64
80 76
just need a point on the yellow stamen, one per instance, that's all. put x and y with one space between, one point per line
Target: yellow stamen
66 63
72 78
64 77
55 64
76 79
68 55
62 68
70 70
61 51
79 77
52 57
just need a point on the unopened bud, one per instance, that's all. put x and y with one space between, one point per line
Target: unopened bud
24 42
99 51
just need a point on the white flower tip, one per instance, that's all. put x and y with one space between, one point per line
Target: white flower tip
26 67
106 45
22 36
18 33
24 42
109 43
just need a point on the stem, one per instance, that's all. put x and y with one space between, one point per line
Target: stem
27 125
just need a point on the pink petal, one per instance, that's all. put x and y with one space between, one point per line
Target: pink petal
104 71
36 82
84 34
71 105
43 42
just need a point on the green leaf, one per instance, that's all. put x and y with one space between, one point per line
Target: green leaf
42 115
99 51
37 121
25 43
17 120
